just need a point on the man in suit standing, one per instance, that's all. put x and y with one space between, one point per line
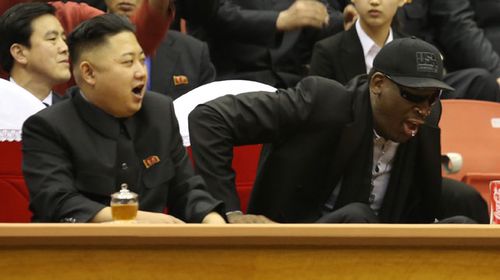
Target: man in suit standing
109 133
181 62
33 49
268 41
369 152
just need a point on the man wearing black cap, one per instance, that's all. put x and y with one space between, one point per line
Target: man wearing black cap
367 152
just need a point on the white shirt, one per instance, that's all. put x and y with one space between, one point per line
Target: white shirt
47 101
16 105
384 152
370 48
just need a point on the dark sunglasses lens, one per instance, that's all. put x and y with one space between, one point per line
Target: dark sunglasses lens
411 97
419 98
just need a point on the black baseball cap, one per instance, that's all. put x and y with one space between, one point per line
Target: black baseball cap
411 62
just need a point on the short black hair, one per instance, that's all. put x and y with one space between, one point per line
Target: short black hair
15 28
94 32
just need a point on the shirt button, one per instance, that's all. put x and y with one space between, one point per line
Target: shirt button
124 166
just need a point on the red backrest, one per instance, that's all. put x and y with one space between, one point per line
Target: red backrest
14 195
245 161
472 129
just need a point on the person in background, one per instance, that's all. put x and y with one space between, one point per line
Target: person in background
152 19
457 28
109 133
366 152
33 50
268 42
350 53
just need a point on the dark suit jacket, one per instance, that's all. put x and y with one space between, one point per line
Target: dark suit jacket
320 134
70 161
56 98
454 27
487 17
245 44
180 55
339 57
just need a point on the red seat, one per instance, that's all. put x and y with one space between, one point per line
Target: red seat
14 195
472 129
245 161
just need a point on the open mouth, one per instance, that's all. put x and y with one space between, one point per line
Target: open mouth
138 90
411 127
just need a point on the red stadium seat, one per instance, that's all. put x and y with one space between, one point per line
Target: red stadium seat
245 161
472 129
14 196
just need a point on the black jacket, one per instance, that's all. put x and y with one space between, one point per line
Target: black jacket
70 161
339 57
319 134
245 44
454 27
180 56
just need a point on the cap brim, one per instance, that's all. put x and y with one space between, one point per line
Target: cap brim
413 82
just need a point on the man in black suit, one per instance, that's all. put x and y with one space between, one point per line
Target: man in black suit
33 49
180 64
366 153
268 41
109 133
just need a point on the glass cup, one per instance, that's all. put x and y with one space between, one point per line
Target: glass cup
124 205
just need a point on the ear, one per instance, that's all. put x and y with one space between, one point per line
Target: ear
376 83
19 53
87 72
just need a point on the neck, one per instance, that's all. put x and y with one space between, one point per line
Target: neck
378 34
38 87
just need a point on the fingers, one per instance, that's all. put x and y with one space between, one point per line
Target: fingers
249 219
350 16
174 220
311 13
303 13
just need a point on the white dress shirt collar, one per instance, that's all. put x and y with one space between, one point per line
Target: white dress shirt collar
47 101
370 48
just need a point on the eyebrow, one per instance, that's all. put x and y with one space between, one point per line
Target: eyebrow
131 53
52 32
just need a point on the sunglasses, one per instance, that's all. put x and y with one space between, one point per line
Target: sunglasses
414 98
